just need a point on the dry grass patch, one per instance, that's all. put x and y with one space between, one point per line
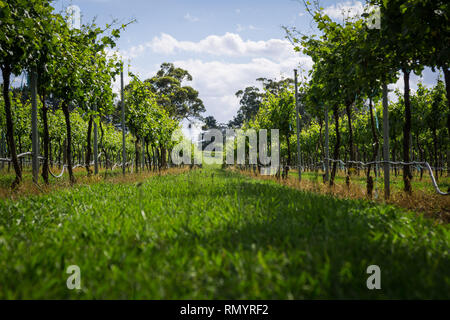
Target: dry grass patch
28 188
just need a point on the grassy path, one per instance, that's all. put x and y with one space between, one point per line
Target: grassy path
216 234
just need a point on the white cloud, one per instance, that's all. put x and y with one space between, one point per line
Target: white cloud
230 44
190 18
217 81
344 9
238 11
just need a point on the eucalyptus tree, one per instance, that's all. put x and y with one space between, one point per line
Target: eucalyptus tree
180 101
210 123
250 102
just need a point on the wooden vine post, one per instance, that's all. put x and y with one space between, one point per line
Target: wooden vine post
387 190
95 143
143 154
124 155
298 127
34 127
327 152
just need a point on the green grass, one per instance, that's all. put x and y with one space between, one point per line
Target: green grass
216 234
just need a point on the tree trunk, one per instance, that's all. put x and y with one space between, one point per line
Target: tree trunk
406 134
158 157
375 150
337 144
289 150
420 155
19 140
348 109
50 153
435 153
154 152
88 150
148 156
164 157
45 167
322 146
6 73
106 161
447 87
65 108
102 133
286 169
136 151
59 154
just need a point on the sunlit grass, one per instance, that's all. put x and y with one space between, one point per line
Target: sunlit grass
215 234
27 187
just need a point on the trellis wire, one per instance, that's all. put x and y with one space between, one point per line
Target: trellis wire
425 165
127 164
22 155
79 165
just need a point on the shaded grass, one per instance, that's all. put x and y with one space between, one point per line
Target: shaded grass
216 234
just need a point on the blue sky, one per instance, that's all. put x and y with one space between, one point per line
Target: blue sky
193 19
242 40
225 45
